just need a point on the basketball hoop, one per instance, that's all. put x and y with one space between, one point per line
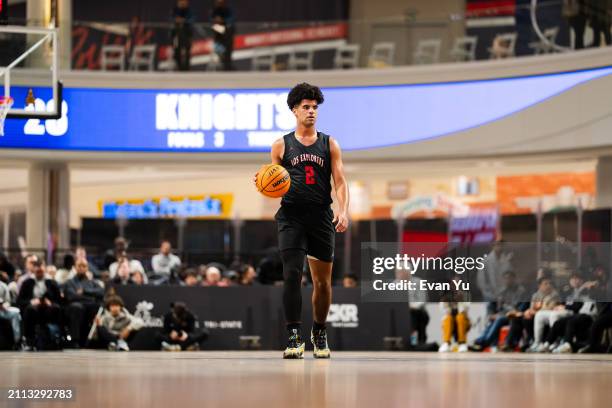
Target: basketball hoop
5 104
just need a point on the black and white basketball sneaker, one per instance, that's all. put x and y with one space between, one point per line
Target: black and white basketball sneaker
295 346
319 341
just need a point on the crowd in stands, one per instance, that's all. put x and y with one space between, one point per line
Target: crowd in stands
571 318
44 307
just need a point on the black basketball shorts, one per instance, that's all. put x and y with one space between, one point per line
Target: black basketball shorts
309 228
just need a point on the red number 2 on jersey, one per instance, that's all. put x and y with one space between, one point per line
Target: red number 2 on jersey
310 177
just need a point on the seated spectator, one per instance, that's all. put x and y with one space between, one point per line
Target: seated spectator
213 277
601 322
134 265
39 300
12 314
419 318
116 326
509 299
112 255
247 276
123 274
546 298
67 270
179 332
576 295
545 318
137 278
165 261
29 270
349 281
6 268
455 321
191 278
81 253
270 268
84 296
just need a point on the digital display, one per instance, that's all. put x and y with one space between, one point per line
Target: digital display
249 120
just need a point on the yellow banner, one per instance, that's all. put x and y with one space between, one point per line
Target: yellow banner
198 206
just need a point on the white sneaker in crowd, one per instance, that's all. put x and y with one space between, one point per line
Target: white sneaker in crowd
533 348
543 348
444 348
564 348
463 348
122 345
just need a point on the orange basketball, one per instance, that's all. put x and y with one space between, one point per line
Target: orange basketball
273 180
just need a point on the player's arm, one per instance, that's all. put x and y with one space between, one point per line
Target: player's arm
276 155
341 186
277 151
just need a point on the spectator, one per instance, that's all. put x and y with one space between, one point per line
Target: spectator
137 278
417 300
84 296
349 281
270 268
6 268
30 261
455 321
123 274
548 318
81 253
112 255
51 272
165 261
574 329
134 265
179 331
182 34
67 270
247 276
600 21
222 19
575 11
601 322
509 300
489 278
39 300
191 278
546 298
116 326
213 277
12 314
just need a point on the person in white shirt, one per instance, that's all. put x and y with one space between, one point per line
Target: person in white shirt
165 260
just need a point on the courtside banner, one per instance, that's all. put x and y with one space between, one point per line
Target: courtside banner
249 120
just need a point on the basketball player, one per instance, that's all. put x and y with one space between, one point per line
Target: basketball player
306 223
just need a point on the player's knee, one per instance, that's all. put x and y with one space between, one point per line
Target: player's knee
322 285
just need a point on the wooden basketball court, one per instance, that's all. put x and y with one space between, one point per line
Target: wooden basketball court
360 379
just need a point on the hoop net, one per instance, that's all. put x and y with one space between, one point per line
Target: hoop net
5 104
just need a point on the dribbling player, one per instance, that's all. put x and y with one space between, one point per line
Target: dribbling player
306 223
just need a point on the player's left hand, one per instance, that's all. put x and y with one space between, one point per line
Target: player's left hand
341 221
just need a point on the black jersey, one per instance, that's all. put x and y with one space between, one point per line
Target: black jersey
310 171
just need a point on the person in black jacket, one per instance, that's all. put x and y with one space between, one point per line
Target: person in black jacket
601 322
179 331
84 297
39 300
222 18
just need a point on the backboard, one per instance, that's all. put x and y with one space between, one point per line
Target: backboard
29 72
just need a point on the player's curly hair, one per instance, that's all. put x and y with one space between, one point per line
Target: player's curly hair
304 91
